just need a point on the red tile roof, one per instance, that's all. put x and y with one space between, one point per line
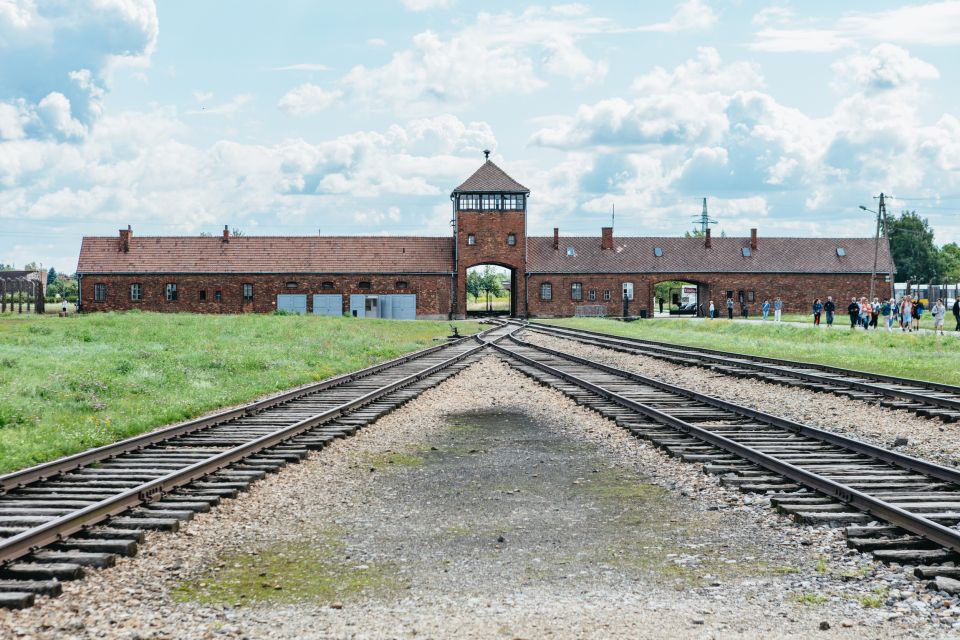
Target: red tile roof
268 254
490 178
689 255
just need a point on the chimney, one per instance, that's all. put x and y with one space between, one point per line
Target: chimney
556 238
753 239
707 242
226 233
606 241
125 235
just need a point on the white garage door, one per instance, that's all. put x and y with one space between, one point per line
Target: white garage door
294 303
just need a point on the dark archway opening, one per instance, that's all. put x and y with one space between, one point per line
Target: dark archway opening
491 291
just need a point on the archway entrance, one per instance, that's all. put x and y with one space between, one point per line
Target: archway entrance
491 290
679 299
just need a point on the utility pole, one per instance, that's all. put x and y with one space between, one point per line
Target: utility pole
703 219
881 218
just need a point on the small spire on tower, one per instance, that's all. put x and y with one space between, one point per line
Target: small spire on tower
486 154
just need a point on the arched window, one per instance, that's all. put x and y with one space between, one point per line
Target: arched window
511 239
402 284
327 285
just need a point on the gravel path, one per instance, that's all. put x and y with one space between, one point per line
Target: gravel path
930 439
491 507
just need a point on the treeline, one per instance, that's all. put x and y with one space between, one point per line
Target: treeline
915 253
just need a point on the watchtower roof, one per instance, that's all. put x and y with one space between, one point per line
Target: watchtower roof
490 178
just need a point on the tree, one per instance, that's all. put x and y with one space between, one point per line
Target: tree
695 233
949 263
51 276
911 244
31 266
6 267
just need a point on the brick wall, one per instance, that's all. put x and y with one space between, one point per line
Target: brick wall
796 290
491 230
432 291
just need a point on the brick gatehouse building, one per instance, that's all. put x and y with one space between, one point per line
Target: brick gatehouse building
425 277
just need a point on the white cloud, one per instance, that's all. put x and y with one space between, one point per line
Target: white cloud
424 5
54 111
773 15
930 24
886 66
691 15
308 99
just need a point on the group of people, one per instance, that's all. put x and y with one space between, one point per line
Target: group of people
865 314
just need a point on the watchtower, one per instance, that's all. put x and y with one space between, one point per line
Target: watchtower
490 227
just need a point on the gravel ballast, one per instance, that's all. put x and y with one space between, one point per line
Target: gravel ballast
491 507
926 438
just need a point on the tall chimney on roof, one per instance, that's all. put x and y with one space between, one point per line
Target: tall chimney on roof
707 242
556 238
606 240
226 233
125 235
753 239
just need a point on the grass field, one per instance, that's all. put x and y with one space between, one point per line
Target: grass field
68 384
909 355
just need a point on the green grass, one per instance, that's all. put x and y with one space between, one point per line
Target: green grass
68 384
908 355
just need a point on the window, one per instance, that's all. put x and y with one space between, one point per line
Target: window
469 202
746 252
628 290
546 291
364 284
247 292
750 296
203 295
571 252
576 291
513 202
471 239
136 292
489 201
217 296
657 251
292 285
592 294
402 284
512 239
606 294
327 285
841 251
99 292
171 291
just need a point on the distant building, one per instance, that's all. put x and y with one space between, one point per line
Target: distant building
425 277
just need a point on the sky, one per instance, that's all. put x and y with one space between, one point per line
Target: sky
293 118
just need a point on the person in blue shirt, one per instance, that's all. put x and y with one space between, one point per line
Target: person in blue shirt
777 308
765 309
817 310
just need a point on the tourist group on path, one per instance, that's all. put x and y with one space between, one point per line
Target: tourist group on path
905 313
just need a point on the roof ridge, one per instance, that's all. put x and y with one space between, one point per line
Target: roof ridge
490 178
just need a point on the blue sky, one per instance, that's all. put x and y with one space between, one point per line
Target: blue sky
359 118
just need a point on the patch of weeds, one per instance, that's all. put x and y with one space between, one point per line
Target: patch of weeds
314 571
809 598
124 367
394 459
876 598
39 330
822 565
8 363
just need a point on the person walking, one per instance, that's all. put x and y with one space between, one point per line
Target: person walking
874 312
713 311
956 312
887 311
661 304
777 309
939 311
817 310
865 313
830 308
906 314
853 309
917 313
765 310
730 308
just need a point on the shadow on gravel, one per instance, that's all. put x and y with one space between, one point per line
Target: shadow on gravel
499 503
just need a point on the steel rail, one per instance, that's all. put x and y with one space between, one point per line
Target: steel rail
902 518
43 471
722 357
54 530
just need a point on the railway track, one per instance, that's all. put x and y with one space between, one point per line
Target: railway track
899 508
927 399
61 518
